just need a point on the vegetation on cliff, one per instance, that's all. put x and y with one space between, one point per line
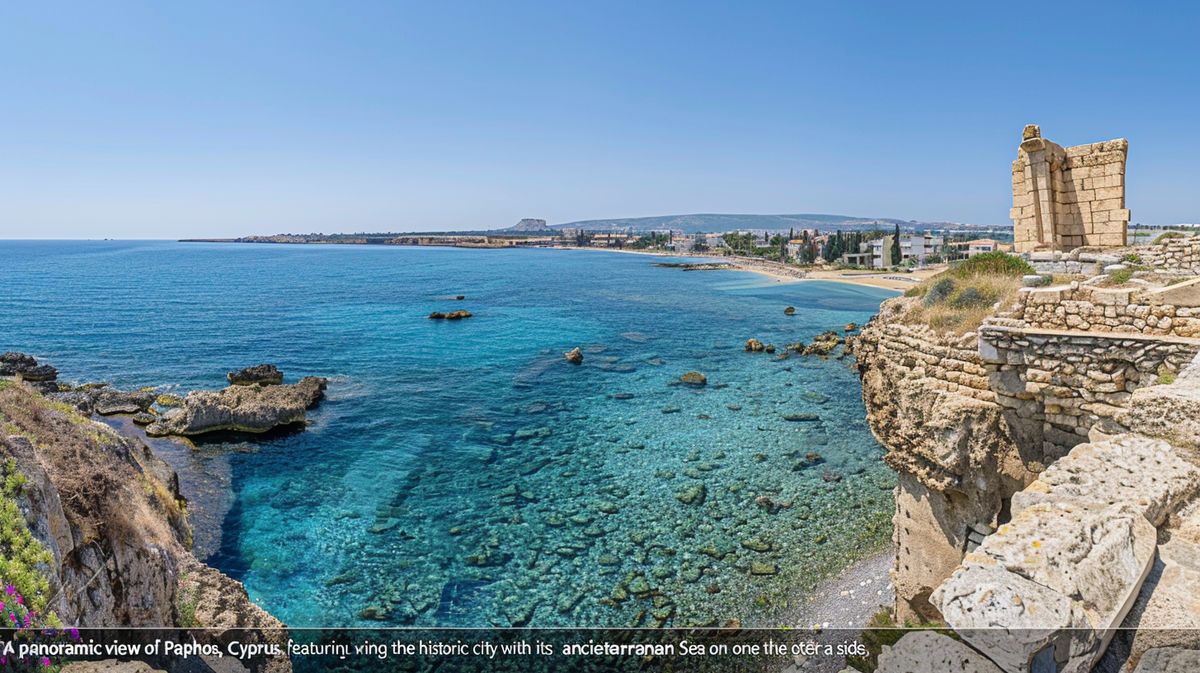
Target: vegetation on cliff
958 299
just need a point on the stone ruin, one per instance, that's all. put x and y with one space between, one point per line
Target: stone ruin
1068 198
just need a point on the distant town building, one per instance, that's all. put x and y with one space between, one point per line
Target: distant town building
918 247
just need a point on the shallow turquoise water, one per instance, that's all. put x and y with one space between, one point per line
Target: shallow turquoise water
463 473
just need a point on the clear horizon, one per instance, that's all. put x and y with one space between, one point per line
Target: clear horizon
137 120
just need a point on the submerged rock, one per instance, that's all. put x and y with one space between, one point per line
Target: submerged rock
574 356
694 379
801 417
262 375
693 495
240 408
791 310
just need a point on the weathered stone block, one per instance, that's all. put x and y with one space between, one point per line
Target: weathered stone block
924 651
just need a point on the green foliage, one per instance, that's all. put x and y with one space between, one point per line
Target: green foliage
21 555
1165 376
882 630
939 291
1131 258
186 601
5 383
1120 277
992 263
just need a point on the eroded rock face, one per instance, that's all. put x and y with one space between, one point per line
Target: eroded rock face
929 402
109 513
925 651
239 408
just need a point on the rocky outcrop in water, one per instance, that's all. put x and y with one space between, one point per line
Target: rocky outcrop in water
238 408
452 315
261 375
26 368
574 356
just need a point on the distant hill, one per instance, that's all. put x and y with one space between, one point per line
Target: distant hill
706 222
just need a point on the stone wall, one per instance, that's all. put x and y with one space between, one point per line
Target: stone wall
1173 310
1062 385
1067 198
970 420
1175 255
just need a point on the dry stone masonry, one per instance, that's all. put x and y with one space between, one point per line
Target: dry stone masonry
1067 198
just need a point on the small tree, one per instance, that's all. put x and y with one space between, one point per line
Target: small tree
896 246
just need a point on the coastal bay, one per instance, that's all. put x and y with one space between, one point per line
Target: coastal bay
464 473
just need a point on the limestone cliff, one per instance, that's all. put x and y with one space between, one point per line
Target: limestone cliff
111 517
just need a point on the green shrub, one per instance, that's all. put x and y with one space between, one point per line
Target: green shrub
21 555
1131 258
1120 277
939 291
1166 236
1165 376
991 263
970 298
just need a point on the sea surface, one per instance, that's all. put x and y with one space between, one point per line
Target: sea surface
463 473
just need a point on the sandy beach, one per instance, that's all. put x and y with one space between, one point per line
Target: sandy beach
785 273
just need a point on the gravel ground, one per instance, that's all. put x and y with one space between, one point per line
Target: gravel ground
841 607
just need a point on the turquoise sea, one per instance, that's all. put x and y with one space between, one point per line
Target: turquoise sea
462 473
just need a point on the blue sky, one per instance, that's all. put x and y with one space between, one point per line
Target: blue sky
206 119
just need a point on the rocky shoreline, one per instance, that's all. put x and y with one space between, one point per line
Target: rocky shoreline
110 523
256 400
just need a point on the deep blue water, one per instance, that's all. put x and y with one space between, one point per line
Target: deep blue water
463 473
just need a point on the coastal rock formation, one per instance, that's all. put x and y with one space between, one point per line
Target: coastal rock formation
111 520
694 379
239 408
754 346
11 363
574 356
107 401
26 368
930 404
262 375
452 315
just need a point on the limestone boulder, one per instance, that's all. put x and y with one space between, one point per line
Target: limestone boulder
1149 474
1060 575
924 651
1011 618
